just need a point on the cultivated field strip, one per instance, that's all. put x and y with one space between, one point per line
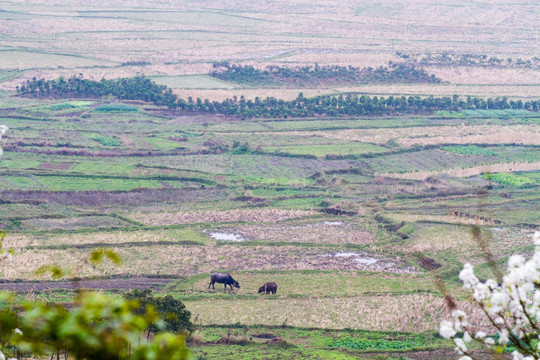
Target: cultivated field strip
467 172
190 260
247 215
410 313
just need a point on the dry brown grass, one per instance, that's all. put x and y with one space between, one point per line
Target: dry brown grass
467 172
189 260
98 238
432 239
424 135
410 313
500 77
450 219
255 215
317 233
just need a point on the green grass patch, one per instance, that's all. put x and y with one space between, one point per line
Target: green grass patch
408 343
498 113
113 108
163 144
445 113
507 179
470 150
106 140
70 105
67 183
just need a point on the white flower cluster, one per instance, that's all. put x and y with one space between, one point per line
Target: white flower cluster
3 129
513 308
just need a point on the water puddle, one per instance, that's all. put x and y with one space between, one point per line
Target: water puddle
223 236
359 258
333 223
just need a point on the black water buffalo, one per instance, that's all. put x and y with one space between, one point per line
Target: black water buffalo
222 278
269 287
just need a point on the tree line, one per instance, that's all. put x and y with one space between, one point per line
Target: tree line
446 58
316 75
141 88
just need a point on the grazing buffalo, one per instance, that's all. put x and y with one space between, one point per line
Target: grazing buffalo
222 278
269 287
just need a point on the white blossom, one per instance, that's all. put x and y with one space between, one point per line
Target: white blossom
515 261
467 276
503 339
447 330
513 306
461 348
480 335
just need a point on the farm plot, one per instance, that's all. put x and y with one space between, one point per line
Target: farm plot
429 135
73 223
433 159
133 237
500 240
17 60
247 215
189 260
333 149
464 172
68 183
324 232
412 313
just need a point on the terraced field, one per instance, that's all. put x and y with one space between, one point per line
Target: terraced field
338 220
363 222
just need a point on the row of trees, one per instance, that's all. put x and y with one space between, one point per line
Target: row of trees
141 88
316 75
134 88
447 58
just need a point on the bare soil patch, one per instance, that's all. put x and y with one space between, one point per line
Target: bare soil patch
316 233
252 215
137 282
